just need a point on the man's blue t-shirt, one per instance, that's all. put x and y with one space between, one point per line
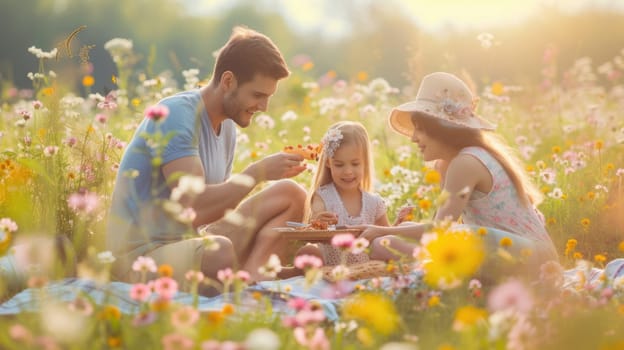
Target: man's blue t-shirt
137 221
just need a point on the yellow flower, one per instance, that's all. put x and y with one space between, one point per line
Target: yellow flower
598 144
506 242
424 204
434 300
621 246
215 317
577 255
453 256
362 76
307 66
609 166
529 168
591 195
113 342
551 221
556 149
468 316
571 243
110 312
49 91
135 102
375 310
482 231
446 347
387 172
585 222
88 81
253 155
432 177
114 79
497 88
599 258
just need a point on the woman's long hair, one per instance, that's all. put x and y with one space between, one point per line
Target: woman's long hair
352 133
458 138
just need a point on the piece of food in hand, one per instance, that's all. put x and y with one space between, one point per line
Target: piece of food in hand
310 152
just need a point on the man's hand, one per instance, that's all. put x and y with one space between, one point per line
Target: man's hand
277 166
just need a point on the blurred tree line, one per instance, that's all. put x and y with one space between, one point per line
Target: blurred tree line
383 42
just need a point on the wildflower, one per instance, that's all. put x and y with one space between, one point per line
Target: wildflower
175 341
359 245
433 301
362 76
600 258
157 112
577 256
585 222
113 342
227 309
621 246
272 267
194 276
375 310
482 231
144 264
306 261
184 317
140 292
49 151
165 287
262 339
510 295
106 257
598 145
453 256
432 177
506 242
83 202
165 270
88 81
343 240
315 339
110 312
468 316
424 204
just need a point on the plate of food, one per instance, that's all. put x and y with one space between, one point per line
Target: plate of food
314 232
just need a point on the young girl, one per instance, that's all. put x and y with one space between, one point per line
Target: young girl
487 185
341 188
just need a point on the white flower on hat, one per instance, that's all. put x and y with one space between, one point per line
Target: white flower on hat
331 141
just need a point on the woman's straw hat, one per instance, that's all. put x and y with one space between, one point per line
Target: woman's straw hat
442 96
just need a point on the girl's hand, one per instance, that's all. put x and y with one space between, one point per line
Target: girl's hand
370 232
403 213
326 216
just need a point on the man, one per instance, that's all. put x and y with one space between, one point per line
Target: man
198 137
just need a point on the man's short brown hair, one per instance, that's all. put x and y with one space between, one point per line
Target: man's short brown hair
248 53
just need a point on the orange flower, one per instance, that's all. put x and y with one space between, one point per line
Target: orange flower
88 81
497 88
362 76
165 270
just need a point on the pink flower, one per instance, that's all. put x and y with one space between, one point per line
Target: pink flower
7 225
37 104
243 276
165 287
157 112
102 118
194 276
511 295
175 341
83 203
144 264
316 340
184 317
20 333
343 240
49 151
306 261
144 318
225 275
140 292
297 303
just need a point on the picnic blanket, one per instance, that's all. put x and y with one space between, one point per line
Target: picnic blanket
328 295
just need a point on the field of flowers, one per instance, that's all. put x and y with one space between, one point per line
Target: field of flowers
60 145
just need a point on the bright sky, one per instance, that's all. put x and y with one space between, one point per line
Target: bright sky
327 16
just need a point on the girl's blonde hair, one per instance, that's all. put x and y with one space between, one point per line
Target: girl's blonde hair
352 133
495 144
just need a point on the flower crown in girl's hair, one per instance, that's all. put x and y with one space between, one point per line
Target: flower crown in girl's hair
331 141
